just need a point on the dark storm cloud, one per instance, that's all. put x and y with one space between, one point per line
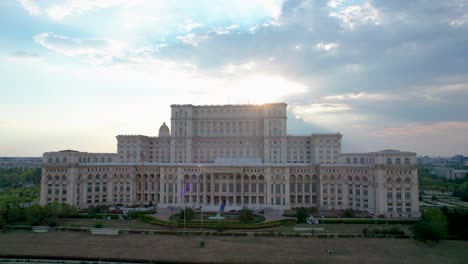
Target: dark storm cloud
393 48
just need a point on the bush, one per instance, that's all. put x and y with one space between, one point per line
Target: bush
220 227
348 213
34 215
423 231
246 215
289 215
2 222
189 214
14 214
98 225
301 215
365 231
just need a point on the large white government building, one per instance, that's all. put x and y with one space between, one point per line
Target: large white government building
240 155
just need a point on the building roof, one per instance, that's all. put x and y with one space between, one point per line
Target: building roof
164 128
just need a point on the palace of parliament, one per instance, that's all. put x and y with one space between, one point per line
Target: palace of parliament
237 155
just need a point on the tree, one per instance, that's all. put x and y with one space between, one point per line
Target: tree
246 215
67 210
189 214
423 231
50 213
14 214
301 215
34 215
436 218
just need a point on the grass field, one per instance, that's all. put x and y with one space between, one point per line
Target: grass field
185 249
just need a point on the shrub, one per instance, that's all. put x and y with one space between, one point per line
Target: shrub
301 215
423 231
246 215
348 213
98 225
189 214
290 215
220 227
34 215
365 231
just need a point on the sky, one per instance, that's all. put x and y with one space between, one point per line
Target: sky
385 74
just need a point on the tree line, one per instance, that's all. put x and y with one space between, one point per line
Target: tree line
427 181
35 214
436 224
16 177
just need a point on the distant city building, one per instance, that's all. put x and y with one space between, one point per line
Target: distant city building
20 162
449 173
237 155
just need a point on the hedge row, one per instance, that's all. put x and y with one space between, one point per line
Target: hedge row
257 219
225 225
368 221
97 216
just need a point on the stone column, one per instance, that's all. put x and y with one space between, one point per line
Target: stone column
162 193
212 189
267 185
44 183
287 191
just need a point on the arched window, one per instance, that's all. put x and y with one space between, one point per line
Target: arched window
79 160
64 160
397 161
362 160
64 178
95 160
389 161
49 178
389 180
57 160
407 161
354 161
109 159
348 161
49 160
102 159
407 180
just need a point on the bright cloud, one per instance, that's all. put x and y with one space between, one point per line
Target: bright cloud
96 50
30 6
352 16
327 46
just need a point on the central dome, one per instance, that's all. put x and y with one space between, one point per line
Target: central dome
164 130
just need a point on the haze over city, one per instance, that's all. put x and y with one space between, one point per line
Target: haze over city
385 74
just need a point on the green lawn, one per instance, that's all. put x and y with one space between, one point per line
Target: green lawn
229 249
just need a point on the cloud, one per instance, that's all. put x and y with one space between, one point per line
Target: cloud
226 30
326 46
190 25
352 16
71 7
94 50
30 6
192 38
421 129
21 54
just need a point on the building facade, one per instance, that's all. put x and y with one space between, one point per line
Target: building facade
239 155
